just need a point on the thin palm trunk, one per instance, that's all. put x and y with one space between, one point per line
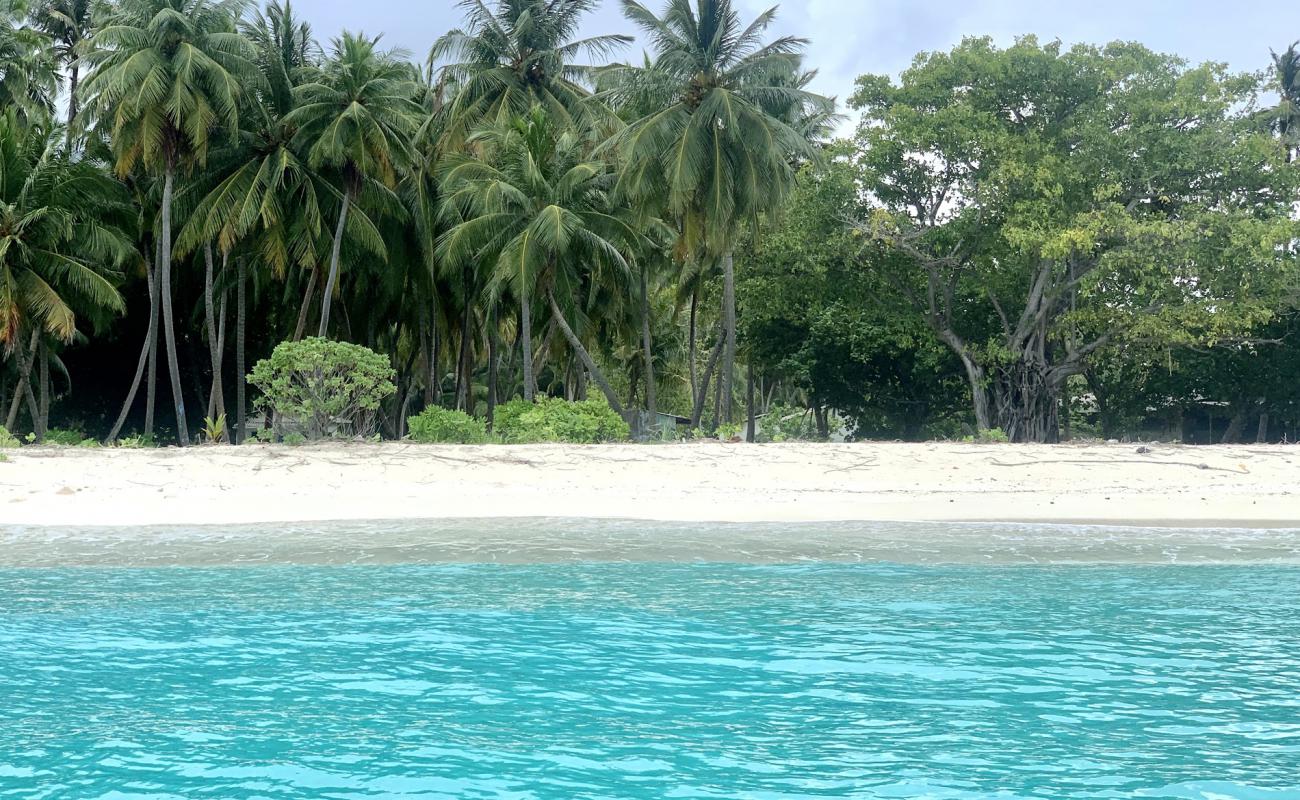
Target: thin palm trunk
650 400
143 361
596 374
695 301
464 390
526 344
751 426
305 308
334 266
702 394
151 375
23 387
492 367
216 398
169 328
729 323
74 76
241 323
43 381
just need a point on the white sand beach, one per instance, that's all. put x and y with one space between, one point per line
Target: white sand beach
1220 486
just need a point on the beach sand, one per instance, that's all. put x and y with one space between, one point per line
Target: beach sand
1109 484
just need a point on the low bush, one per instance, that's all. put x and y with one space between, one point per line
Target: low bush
784 423
322 389
554 420
7 439
67 437
437 425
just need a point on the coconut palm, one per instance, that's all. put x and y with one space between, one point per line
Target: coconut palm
519 54
718 148
534 209
67 23
1285 119
60 247
28 74
356 120
165 75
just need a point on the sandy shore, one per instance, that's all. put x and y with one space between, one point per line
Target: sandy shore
1224 486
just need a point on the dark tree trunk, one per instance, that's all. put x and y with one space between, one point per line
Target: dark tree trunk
333 280
22 388
1236 424
241 375
151 371
43 380
464 390
695 301
169 327
583 355
74 78
1261 432
1028 402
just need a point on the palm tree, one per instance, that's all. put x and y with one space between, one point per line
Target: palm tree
719 146
263 193
535 210
60 246
28 75
356 119
165 75
1285 119
67 23
520 54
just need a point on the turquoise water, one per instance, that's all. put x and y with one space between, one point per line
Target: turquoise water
650 680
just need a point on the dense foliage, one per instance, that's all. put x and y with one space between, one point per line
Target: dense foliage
1032 239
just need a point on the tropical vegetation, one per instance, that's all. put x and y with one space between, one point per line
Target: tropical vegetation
525 234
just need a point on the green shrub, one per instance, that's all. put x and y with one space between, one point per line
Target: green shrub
68 437
554 420
990 436
7 439
321 389
437 425
137 442
784 423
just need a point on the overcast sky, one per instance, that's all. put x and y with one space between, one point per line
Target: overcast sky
851 37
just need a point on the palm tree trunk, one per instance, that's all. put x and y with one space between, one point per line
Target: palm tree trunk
702 393
305 308
43 381
650 400
729 321
151 374
23 387
334 266
464 379
492 368
526 344
751 426
695 301
241 323
74 76
141 363
216 399
169 328
583 355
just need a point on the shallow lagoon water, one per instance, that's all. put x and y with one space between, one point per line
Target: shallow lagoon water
801 667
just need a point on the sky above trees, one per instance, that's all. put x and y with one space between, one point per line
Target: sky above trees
852 37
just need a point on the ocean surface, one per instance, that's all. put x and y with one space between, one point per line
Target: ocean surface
817 671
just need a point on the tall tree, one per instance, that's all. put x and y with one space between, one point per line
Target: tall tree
356 119
68 23
719 147
535 210
60 244
519 54
1019 223
1285 118
28 74
165 75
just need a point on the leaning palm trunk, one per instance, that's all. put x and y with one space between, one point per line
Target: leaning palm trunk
596 374
241 321
729 322
43 397
151 342
169 328
216 397
702 393
145 354
305 308
23 388
695 301
334 266
650 402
